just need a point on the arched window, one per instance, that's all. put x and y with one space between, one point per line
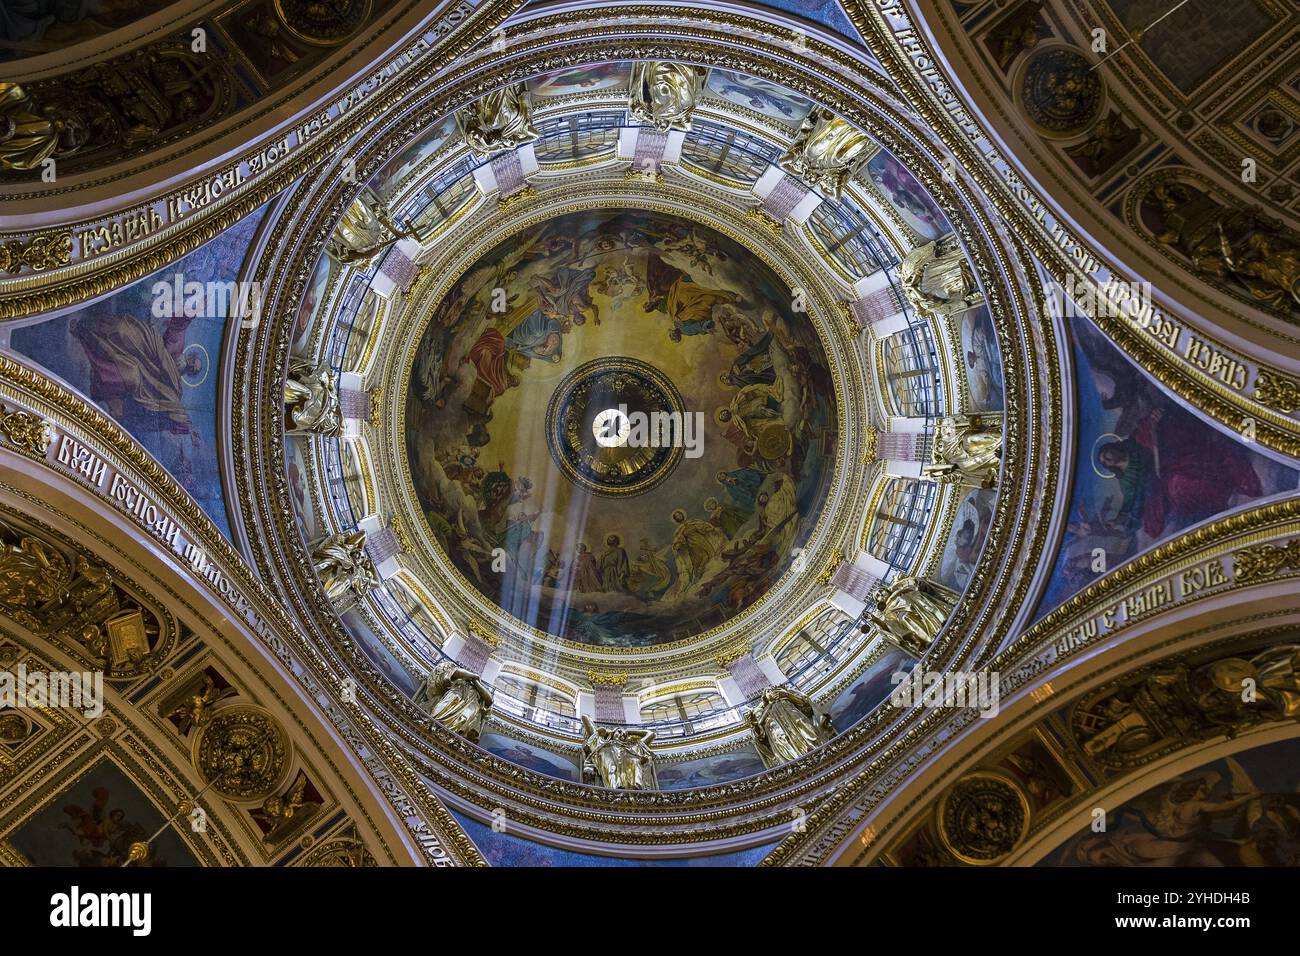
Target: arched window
911 366
726 152
899 522
567 139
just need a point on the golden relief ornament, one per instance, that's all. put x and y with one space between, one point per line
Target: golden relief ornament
242 752
728 657
871 447
282 814
343 565
1266 560
193 707
322 24
911 611
483 634
14 728
828 572
349 853
78 600
399 532
937 280
1061 92
500 121
966 450
1254 256
113 108
663 95
786 726
518 198
456 698
827 151
619 759
982 818
1277 391
26 432
311 399
28 136
1166 706
38 253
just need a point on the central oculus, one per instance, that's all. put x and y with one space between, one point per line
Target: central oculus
619 427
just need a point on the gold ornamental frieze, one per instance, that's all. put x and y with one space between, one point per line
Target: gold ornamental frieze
1194 567
1218 380
90 449
41 271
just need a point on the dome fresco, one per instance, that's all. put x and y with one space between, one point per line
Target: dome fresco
552 530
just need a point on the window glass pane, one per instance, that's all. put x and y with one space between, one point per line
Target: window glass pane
732 154
912 372
578 136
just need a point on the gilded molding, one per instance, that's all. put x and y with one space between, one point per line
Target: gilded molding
1266 560
753 805
448 845
28 433
1277 391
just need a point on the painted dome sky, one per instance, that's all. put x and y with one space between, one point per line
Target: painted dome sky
647 537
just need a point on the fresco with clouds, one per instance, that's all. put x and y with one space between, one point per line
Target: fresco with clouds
156 375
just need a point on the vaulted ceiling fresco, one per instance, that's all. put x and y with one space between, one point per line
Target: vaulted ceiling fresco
634 538
549 435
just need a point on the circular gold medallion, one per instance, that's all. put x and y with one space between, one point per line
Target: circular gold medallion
614 426
982 818
320 23
243 752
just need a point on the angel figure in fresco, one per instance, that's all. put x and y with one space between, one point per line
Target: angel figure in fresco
1186 826
104 835
673 292
701 251
620 282
132 360
565 295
